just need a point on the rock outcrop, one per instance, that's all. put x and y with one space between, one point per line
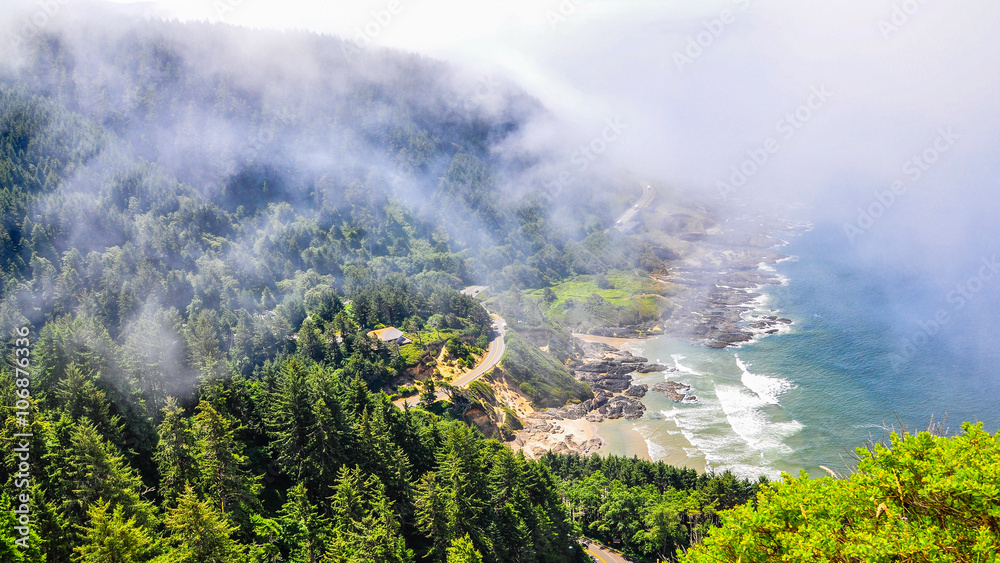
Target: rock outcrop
675 391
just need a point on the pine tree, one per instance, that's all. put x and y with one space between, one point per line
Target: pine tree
434 510
324 452
428 396
305 529
197 533
223 476
307 428
111 538
309 342
84 469
79 396
509 534
267 532
381 456
463 551
175 454
365 528
10 551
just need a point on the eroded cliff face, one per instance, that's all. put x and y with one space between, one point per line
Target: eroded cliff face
498 406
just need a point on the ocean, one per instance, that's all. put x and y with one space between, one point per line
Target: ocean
865 351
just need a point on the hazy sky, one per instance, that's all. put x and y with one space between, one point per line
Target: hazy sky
704 88
694 111
880 117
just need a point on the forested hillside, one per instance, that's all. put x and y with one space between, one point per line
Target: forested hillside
200 225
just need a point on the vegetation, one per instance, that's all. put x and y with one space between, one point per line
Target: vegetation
920 498
547 382
198 254
645 509
613 299
198 250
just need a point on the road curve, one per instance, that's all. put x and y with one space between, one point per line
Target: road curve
490 360
601 554
493 356
647 196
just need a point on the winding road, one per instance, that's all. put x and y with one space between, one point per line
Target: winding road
493 356
601 554
490 360
630 213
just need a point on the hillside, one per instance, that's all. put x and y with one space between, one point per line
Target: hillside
200 227
197 237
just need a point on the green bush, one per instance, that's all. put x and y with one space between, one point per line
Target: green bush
924 498
411 354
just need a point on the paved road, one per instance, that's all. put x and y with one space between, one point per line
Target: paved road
490 360
647 196
601 555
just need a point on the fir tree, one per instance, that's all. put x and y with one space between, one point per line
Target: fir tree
198 533
112 538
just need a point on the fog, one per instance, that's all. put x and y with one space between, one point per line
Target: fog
897 155
702 84
876 120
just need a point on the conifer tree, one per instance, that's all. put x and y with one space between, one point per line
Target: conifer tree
365 527
110 537
306 531
79 396
463 551
28 549
223 477
175 454
198 533
434 514
84 468
307 428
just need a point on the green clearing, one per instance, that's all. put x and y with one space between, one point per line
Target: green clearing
625 286
620 298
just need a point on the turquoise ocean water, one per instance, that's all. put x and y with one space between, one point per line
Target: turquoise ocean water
809 396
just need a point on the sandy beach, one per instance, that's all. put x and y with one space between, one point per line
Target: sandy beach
630 438
654 440
634 438
610 341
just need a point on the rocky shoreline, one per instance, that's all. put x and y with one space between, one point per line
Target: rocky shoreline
714 305
719 284
608 371
676 391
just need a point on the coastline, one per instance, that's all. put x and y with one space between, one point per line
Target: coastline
609 340
622 438
559 436
722 304
652 440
